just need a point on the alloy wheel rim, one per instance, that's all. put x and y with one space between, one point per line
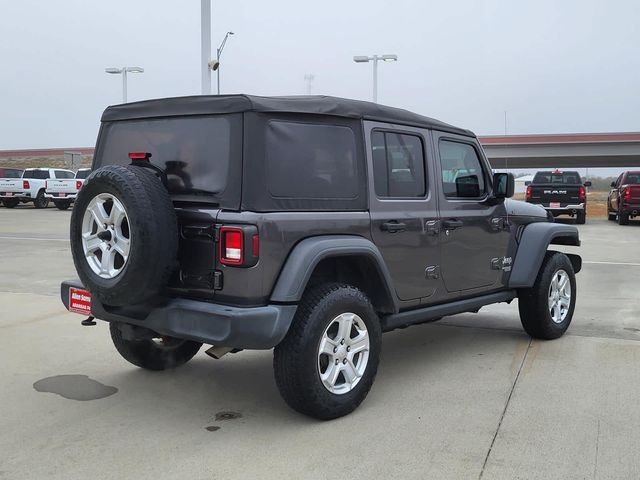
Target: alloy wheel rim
343 353
559 296
106 235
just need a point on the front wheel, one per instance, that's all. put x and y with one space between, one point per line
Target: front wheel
62 205
546 308
328 361
159 353
11 202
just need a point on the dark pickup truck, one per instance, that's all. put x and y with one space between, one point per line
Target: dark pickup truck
624 197
560 193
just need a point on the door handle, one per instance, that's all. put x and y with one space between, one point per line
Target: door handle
451 224
393 226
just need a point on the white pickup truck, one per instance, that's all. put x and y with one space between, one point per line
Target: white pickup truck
8 174
63 191
30 187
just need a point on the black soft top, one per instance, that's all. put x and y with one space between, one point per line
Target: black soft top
309 104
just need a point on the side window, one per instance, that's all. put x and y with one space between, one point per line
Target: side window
398 165
462 174
312 161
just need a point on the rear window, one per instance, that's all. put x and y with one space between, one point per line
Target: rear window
633 178
36 174
560 178
82 174
313 161
195 152
10 173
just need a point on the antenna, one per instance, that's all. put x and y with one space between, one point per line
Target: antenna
309 78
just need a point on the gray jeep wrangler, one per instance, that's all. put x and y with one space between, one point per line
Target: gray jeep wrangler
305 224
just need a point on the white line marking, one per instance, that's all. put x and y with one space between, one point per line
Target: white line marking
614 263
37 239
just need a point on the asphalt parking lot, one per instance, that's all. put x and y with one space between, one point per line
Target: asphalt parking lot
469 397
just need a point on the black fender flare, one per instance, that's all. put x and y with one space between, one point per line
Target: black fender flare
308 253
532 247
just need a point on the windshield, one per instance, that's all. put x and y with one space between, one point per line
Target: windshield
560 178
195 152
82 174
36 174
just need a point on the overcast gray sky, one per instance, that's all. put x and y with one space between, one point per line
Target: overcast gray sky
570 66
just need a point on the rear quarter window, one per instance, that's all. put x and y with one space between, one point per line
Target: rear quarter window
312 161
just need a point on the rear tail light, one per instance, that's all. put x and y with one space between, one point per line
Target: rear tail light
231 250
25 184
139 155
78 184
627 194
529 193
582 194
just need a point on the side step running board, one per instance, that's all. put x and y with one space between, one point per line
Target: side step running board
435 312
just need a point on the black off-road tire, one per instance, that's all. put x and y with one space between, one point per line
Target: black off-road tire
623 218
10 202
295 359
611 216
161 354
41 201
533 303
62 205
153 232
581 217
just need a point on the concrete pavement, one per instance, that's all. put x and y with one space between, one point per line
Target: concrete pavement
467 397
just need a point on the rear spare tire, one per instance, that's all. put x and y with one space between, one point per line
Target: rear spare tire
124 235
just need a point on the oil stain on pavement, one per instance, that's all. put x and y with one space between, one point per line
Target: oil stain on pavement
74 387
222 417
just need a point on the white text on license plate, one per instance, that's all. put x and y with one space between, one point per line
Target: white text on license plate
79 301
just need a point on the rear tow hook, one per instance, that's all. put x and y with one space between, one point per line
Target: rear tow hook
88 322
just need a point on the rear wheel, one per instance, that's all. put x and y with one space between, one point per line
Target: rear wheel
581 217
62 205
546 309
328 361
159 353
623 218
41 201
10 202
611 215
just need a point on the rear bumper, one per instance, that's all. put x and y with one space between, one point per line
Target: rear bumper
631 208
259 328
55 196
7 195
564 209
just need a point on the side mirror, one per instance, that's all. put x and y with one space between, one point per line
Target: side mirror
527 183
587 184
613 184
504 185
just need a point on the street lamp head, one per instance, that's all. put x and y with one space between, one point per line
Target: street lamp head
390 58
113 70
230 33
361 59
135 69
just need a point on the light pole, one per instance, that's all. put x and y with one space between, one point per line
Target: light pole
123 71
216 66
375 59
205 46
309 78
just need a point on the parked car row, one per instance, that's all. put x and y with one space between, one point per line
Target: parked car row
40 186
564 193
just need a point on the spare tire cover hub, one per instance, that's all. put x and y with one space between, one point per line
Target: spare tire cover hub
106 236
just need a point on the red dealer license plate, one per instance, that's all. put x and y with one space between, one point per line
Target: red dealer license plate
554 205
61 194
79 301
9 194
